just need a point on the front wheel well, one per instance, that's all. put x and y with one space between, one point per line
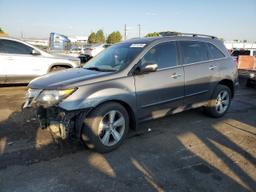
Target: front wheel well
128 108
59 65
229 84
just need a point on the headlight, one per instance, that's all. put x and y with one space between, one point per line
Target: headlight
49 98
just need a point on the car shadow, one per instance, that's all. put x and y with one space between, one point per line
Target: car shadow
183 152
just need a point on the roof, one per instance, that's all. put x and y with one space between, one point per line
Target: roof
149 40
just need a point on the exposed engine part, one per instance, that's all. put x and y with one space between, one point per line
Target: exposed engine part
60 129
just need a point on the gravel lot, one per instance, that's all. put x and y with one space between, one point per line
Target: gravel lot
185 152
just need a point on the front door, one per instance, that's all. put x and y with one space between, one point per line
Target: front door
159 93
20 64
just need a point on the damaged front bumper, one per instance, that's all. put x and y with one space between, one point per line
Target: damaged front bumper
62 123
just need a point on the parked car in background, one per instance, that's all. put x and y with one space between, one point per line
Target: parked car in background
77 50
21 62
93 50
242 52
134 81
247 69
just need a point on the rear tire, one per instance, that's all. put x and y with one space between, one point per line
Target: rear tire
219 102
106 127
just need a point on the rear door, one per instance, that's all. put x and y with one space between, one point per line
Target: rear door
200 72
160 93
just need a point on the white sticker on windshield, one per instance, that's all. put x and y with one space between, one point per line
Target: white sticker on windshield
141 45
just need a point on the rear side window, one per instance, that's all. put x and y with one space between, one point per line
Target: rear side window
163 54
193 51
215 53
13 47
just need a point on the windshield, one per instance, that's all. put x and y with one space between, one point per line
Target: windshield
115 58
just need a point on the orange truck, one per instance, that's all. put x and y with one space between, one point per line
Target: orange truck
247 68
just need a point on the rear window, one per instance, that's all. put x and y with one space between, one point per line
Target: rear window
193 51
215 53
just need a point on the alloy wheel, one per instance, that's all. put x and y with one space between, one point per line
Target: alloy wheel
111 128
222 101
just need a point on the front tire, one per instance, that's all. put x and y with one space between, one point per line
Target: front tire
219 102
106 127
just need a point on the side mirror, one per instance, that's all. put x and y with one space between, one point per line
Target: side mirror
148 68
35 52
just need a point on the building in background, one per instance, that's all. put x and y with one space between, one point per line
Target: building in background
231 45
58 42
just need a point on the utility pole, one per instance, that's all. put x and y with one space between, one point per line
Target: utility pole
125 32
139 30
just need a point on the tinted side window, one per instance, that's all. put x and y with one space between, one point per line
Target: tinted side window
215 53
164 54
12 47
193 51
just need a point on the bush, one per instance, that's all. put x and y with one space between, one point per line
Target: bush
2 33
154 34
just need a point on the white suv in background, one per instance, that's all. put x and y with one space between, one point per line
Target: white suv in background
20 62
93 50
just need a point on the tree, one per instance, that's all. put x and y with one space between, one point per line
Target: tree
100 38
114 37
92 38
154 34
2 32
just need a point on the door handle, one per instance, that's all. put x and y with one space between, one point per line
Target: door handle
212 67
175 75
10 58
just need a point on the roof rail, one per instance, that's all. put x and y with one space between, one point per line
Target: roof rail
169 33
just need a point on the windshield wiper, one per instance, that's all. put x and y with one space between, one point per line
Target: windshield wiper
99 69
93 68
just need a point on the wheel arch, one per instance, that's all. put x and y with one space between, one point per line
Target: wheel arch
229 83
67 65
130 111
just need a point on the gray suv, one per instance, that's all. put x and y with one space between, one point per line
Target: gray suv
131 82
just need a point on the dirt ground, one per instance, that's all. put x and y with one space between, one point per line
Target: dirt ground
184 152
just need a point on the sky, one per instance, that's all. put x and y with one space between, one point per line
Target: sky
228 19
